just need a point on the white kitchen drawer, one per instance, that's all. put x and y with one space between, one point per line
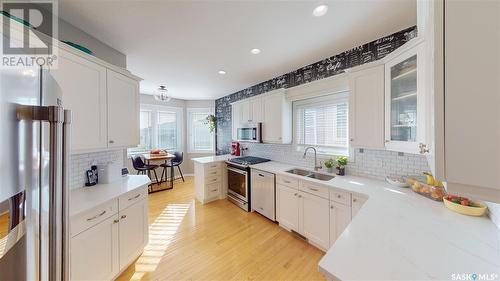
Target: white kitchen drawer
340 197
215 165
286 181
132 197
212 179
213 190
314 189
213 172
87 219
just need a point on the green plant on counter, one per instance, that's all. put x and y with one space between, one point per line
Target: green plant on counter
342 161
212 123
329 163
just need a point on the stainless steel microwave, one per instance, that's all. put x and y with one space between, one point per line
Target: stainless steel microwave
250 133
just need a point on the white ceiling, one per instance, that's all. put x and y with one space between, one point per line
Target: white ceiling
183 44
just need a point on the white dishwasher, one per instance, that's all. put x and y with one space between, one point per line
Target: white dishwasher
262 192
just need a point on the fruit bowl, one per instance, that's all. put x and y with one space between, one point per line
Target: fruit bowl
469 208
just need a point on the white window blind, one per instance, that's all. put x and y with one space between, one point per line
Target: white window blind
167 130
160 127
146 130
200 138
322 121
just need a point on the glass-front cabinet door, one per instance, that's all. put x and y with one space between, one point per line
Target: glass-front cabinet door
404 102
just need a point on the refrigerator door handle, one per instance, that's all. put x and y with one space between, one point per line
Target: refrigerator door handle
58 215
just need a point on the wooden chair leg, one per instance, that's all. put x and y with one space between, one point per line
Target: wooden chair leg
179 167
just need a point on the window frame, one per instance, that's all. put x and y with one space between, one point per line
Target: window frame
190 143
155 109
331 98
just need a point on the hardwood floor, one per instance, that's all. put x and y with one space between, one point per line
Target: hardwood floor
217 241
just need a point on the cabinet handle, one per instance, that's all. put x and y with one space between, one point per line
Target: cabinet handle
135 197
339 196
354 200
351 139
300 196
96 216
116 221
295 194
261 175
313 189
213 173
331 207
111 141
214 190
123 216
285 181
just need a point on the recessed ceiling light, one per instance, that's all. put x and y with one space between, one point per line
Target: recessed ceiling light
222 72
320 10
255 51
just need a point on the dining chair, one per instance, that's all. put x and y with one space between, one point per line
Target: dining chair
175 162
143 168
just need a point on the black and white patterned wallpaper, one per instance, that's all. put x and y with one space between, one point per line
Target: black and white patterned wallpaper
369 52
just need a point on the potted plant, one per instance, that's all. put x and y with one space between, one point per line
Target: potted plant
212 123
329 165
341 164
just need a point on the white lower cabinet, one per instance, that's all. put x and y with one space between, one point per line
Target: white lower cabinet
102 250
314 221
340 217
94 252
133 232
317 212
210 180
288 207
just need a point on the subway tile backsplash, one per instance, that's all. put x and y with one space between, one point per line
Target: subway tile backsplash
365 162
79 163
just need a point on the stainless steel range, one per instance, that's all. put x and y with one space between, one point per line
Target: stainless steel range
238 180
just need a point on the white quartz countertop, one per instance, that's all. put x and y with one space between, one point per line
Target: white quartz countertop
400 235
212 159
85 198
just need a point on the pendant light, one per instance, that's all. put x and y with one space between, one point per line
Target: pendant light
161 94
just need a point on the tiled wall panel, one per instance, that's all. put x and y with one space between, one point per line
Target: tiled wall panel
79 163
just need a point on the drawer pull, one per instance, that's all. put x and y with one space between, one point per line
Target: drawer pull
331 207
123 216
295 194
96 216
116 221
261 175
135 197
213 173
213 166
213 190
300 196
313 189
339 196
354 200
286 181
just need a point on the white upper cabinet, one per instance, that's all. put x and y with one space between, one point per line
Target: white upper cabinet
277 124
405 100
123 110
272 109
82 85
366 107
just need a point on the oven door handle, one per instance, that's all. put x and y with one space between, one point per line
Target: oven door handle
237 171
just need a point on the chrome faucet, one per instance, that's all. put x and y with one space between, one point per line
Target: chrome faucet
316 166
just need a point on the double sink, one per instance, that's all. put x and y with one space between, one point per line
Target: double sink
309 174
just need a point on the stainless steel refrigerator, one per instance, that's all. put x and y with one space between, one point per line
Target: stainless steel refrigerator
34 148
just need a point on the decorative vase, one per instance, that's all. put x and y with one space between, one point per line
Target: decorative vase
330 170
340 171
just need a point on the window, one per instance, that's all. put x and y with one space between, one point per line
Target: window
160 127
323 122
200 138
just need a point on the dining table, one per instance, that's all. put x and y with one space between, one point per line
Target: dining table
165 157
